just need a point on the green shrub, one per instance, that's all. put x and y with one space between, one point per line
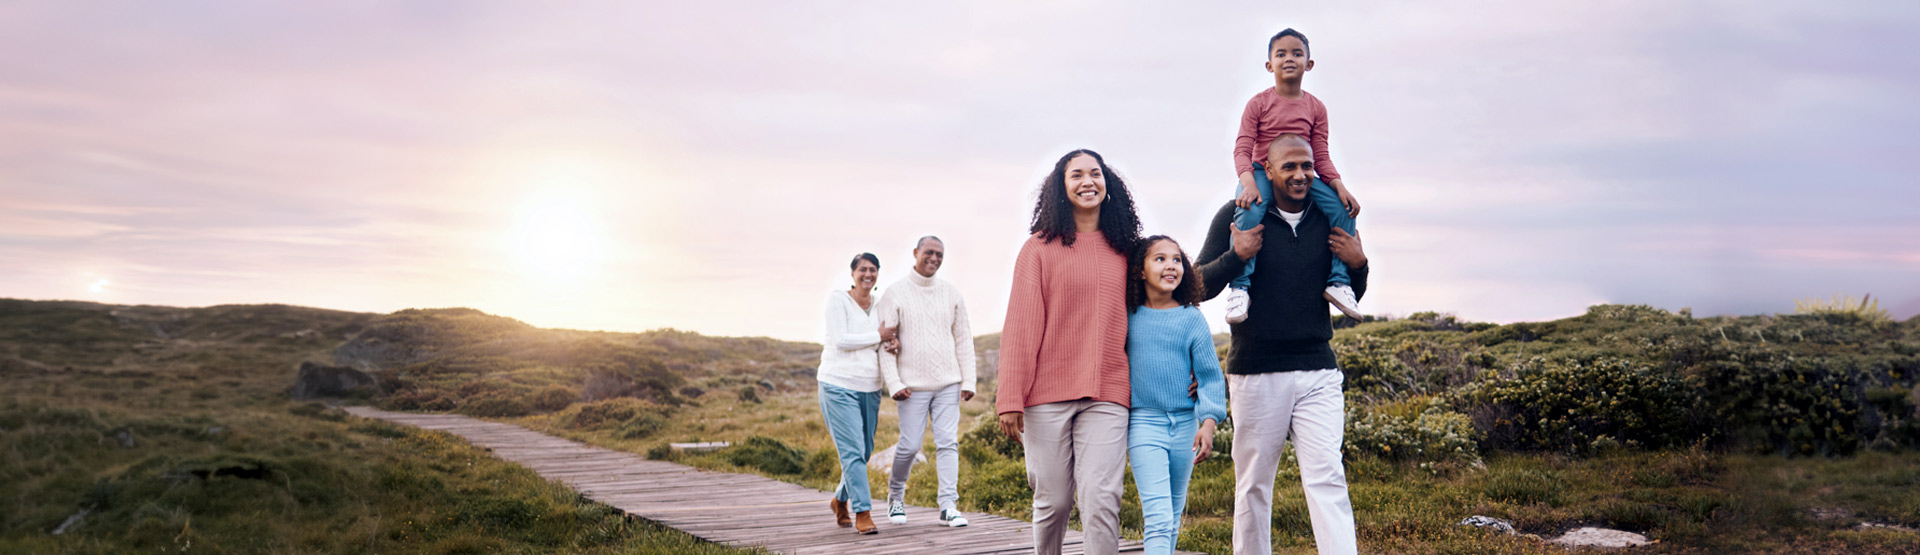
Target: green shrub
641 426
553 398
1431 433
495 404
999 486
985 441
588 416
421 399
318 410
767 454
1568 405
749 394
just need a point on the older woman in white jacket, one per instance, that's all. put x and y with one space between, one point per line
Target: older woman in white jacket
850 387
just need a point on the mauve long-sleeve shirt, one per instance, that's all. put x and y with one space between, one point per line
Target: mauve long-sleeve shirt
1269 115
1066 333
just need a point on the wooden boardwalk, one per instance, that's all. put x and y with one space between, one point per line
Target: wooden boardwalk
733 509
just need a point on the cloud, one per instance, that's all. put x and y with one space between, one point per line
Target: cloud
1516 160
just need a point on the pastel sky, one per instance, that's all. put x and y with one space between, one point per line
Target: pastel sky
712 166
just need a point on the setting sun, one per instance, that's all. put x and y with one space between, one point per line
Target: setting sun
556 236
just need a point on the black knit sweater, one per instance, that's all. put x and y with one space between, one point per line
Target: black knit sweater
1287 324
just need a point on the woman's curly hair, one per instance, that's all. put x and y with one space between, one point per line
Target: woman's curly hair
1053 214
1189 291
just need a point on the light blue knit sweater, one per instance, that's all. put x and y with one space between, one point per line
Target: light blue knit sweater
1167 349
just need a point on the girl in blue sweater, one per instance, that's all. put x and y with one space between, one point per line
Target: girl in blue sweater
1178 392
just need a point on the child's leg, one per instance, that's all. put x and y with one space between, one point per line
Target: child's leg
1148 453
1180 469
1329 204
1246 218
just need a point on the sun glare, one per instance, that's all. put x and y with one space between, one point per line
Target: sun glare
556 236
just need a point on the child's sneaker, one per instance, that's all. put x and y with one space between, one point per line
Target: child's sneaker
952 518
1342 298
1237 305
896 511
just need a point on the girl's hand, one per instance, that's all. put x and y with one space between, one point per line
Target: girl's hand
1346 199
1249 192
1013 424
1202 441
1193 390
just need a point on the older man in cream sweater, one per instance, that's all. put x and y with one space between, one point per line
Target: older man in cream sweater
929 368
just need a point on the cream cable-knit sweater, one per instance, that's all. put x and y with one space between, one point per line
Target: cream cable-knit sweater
936 342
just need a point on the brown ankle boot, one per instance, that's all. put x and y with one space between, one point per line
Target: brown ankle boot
863 523
840 513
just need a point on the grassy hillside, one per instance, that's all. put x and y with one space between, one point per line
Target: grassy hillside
169 429
1778 433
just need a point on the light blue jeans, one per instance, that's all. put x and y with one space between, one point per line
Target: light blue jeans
851 417
1320 195
1160 448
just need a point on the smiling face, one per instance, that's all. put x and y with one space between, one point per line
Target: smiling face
1086 183
928 256
1290 168
1287 59
864 275
1163 269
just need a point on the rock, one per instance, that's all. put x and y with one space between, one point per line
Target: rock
125 437
767 384
882 460
319 380
1864 526
1599 537
72 521
1488 523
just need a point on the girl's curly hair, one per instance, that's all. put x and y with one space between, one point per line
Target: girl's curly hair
1053 214
1189 291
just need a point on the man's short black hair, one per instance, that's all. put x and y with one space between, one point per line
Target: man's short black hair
1289 32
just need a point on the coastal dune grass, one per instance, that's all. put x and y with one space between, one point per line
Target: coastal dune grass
144 429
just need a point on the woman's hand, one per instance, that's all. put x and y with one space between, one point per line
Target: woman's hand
1202 441
902 394
1013 424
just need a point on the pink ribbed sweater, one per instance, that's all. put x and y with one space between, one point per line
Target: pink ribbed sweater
1066 333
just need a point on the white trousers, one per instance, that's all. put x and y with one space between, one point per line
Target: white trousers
1268 409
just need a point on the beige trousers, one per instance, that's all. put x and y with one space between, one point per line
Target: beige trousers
1076 447
1268 408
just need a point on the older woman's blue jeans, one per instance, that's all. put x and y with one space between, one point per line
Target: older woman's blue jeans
851 418
1160 448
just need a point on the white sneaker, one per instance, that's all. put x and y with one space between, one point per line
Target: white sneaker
1236 305
952 518
1342 298
896 511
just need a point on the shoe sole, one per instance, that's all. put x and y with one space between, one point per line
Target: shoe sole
1344 309
897 519
950 524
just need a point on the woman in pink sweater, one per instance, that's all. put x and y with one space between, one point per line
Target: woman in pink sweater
1063 389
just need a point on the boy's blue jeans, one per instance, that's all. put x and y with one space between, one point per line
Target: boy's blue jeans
1160 449
1320 195
851 418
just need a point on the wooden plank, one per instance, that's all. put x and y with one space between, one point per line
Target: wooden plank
734 509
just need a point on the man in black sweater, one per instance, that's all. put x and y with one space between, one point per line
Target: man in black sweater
1282 377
